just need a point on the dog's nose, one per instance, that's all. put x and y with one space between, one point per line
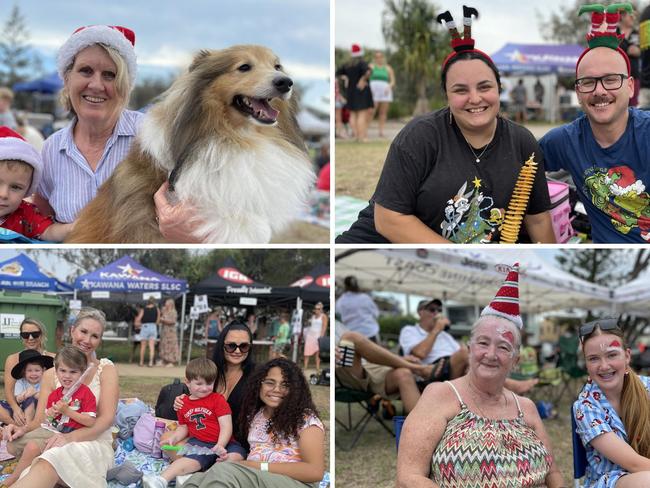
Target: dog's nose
283 83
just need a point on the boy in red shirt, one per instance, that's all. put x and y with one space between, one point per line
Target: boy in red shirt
20 174
205 416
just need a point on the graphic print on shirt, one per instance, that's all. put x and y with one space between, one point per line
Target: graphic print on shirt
470 217
196 416
618 193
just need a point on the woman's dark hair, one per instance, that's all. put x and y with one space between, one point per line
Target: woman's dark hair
351 284
291 413
467 57
219 357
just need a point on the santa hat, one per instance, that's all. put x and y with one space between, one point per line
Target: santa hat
602 32
356 51
506 301
14 147
119 38
461 44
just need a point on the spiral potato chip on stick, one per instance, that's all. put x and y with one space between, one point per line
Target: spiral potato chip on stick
518 202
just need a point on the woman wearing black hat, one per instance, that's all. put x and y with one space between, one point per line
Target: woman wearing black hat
32 333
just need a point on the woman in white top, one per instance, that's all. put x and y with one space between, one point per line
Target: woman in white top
316 329
357 310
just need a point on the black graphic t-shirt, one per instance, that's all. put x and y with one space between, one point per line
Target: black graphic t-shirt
431 173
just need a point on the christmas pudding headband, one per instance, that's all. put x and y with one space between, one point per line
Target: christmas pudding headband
459 44
603 29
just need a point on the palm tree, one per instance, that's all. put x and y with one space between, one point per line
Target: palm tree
411 31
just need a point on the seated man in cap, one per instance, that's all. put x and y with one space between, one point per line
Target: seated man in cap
429 343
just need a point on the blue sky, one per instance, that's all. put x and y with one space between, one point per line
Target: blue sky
169 32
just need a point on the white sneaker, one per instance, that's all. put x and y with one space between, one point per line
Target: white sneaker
154 481
180 480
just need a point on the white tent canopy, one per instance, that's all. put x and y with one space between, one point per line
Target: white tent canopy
634 297
469 276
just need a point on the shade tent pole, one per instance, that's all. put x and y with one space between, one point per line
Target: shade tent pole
180 356
189 347
294 355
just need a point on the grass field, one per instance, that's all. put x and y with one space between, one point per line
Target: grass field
358 167
372 462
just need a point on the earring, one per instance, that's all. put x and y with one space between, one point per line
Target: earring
450 122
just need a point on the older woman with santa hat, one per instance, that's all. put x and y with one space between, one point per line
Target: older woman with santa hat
460 426
98 67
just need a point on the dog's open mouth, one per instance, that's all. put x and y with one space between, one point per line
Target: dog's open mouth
258 108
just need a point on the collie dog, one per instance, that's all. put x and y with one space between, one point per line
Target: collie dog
225 136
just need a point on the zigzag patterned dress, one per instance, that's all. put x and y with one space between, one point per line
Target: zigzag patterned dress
477 452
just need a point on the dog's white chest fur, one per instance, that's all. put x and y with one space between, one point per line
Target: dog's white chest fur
242 196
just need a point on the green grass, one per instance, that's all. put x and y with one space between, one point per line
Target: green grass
119 352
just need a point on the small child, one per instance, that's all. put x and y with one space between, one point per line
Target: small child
20 174
282 337
205 416
28 373
79 411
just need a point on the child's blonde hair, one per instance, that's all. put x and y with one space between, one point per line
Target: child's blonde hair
72 357
16 163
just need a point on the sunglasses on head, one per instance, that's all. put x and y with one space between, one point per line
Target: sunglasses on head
34 335
231 347
604 324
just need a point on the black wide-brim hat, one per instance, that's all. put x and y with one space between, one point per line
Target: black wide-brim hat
30 356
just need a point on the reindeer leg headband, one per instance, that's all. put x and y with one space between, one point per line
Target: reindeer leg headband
458 43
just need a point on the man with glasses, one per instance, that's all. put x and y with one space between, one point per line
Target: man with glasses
607 151
429 343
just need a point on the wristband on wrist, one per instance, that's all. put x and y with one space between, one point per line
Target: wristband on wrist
264 466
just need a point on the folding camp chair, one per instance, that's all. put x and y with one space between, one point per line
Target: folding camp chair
342 394
567 362
579 454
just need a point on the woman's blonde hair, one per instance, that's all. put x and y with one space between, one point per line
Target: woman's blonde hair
635 407
90 313
40 326
122 83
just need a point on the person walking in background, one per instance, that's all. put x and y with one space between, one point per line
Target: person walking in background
358 95
281 337
168 350
149 316
644 44
358 311
382 84
519 101
213 325
316 329
135 334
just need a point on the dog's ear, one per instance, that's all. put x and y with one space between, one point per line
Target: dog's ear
202 54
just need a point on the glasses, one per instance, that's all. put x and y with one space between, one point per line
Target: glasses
605 324
433 309
610 82
272 385
34 335
231 347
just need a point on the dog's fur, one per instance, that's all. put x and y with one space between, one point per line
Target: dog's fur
247 178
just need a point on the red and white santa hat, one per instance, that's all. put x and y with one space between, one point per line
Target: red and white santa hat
506 302
15 148
356 51
122 39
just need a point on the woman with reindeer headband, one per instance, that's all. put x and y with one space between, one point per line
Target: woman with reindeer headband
452 175
612 412
460 426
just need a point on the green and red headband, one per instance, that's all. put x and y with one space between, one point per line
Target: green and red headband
602 33
459 44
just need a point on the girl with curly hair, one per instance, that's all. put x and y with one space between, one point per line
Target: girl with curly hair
286 437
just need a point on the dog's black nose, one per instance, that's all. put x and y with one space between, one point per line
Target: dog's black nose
283 83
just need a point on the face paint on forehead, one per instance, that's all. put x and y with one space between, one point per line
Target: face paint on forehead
506 334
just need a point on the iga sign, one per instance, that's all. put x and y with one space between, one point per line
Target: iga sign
234 275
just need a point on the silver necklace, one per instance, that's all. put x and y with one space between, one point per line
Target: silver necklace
477 156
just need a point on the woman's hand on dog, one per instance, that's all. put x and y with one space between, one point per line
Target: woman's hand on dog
177 223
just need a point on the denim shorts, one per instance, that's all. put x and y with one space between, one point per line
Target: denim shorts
148 331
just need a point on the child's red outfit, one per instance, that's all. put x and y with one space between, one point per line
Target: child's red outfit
27 220
201 416
82 401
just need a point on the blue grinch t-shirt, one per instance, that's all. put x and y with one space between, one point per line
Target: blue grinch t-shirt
612 182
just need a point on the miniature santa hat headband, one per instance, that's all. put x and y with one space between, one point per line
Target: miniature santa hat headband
466 43
506 301
602 33
14 148
119 38
356 51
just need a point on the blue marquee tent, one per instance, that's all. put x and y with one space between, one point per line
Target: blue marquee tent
126 277
21 273
47 84
538 58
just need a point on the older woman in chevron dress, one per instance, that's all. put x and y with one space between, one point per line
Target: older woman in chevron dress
472 432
